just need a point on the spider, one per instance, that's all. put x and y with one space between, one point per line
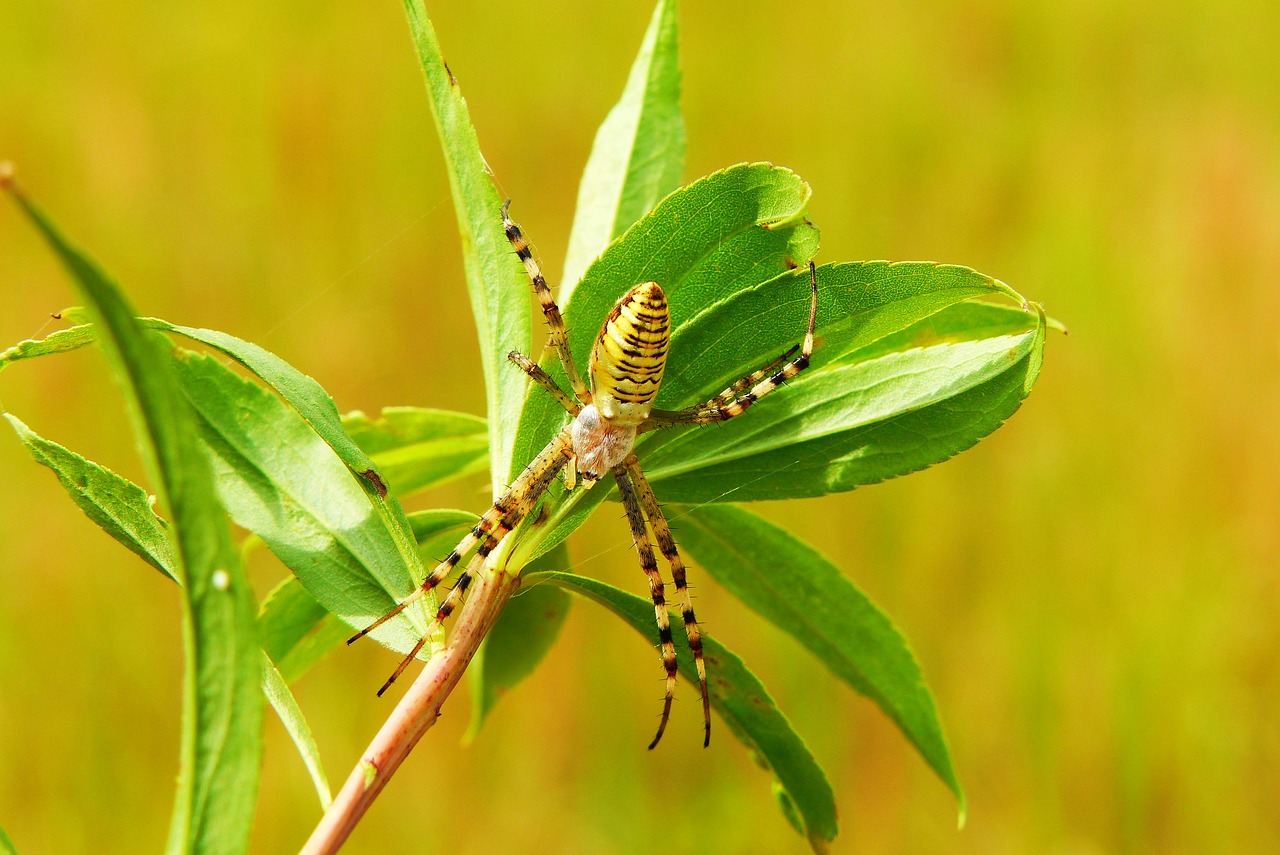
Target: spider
627 363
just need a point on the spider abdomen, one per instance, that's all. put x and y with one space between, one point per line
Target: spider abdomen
630 355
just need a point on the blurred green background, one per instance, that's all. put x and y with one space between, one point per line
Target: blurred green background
1092 591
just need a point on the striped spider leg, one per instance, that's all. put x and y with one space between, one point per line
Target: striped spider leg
505 514
640 502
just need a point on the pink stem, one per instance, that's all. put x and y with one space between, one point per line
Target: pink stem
416 712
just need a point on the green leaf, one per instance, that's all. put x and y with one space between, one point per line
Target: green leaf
527 628
438 522
297 631
853 424
222 721
737 330
6 845
280 480
417 448
117 505
495 280
733 229
638 153
330 634
59 341
317 408
804 594
302 392
307 396
742 702
970 320
282 701
290 622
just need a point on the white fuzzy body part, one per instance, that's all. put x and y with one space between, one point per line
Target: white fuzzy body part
599 444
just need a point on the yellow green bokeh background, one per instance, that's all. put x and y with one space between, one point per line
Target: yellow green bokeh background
1092 591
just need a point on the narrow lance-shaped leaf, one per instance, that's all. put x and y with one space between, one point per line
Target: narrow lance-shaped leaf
222 721
742 701
499 293
6 845
738 329
282 701
852 424
970 320
308 397
117 505
317 408
638 154
417 448
287 620
59 341
302 392
805 595
297 631
281 481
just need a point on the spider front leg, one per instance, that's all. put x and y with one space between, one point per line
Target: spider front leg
543 379
733 401
559 335
562 397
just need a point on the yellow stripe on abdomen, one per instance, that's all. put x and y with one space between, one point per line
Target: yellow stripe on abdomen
630 355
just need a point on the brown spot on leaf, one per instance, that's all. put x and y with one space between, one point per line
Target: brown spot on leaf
375 479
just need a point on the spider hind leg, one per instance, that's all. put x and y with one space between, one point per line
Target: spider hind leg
640 503
667 543
657 591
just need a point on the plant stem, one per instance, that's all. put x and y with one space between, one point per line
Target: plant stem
416 712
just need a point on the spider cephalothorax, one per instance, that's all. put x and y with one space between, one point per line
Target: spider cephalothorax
627 362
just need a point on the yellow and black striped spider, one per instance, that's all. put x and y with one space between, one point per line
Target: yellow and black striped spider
626 368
